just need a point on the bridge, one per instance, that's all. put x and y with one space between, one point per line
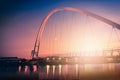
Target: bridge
108 55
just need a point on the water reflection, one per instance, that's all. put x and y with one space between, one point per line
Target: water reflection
76 70
53 70
60 69
5 69
48 68
68 72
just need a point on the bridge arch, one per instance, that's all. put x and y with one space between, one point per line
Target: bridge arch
35 51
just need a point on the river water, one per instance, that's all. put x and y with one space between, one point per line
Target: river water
109 71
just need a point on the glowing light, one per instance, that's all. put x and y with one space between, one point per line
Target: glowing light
47 58
59 58
53 70
60 69
53 58
48 68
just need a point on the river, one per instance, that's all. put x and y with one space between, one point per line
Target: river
109 71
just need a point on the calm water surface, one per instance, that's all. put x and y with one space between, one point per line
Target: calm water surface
109 71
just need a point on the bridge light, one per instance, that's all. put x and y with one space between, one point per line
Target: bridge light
47 58
59 58
53 58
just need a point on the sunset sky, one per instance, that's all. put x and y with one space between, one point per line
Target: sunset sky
65 31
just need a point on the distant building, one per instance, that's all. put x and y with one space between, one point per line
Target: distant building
9 61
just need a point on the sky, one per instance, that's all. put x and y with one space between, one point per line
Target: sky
20 21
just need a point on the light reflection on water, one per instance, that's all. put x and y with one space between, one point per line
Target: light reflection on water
48 68
53 70
76 71
60 69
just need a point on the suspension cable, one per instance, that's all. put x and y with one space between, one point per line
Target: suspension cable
109 39
117 34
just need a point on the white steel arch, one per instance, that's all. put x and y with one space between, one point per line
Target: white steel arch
35 51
